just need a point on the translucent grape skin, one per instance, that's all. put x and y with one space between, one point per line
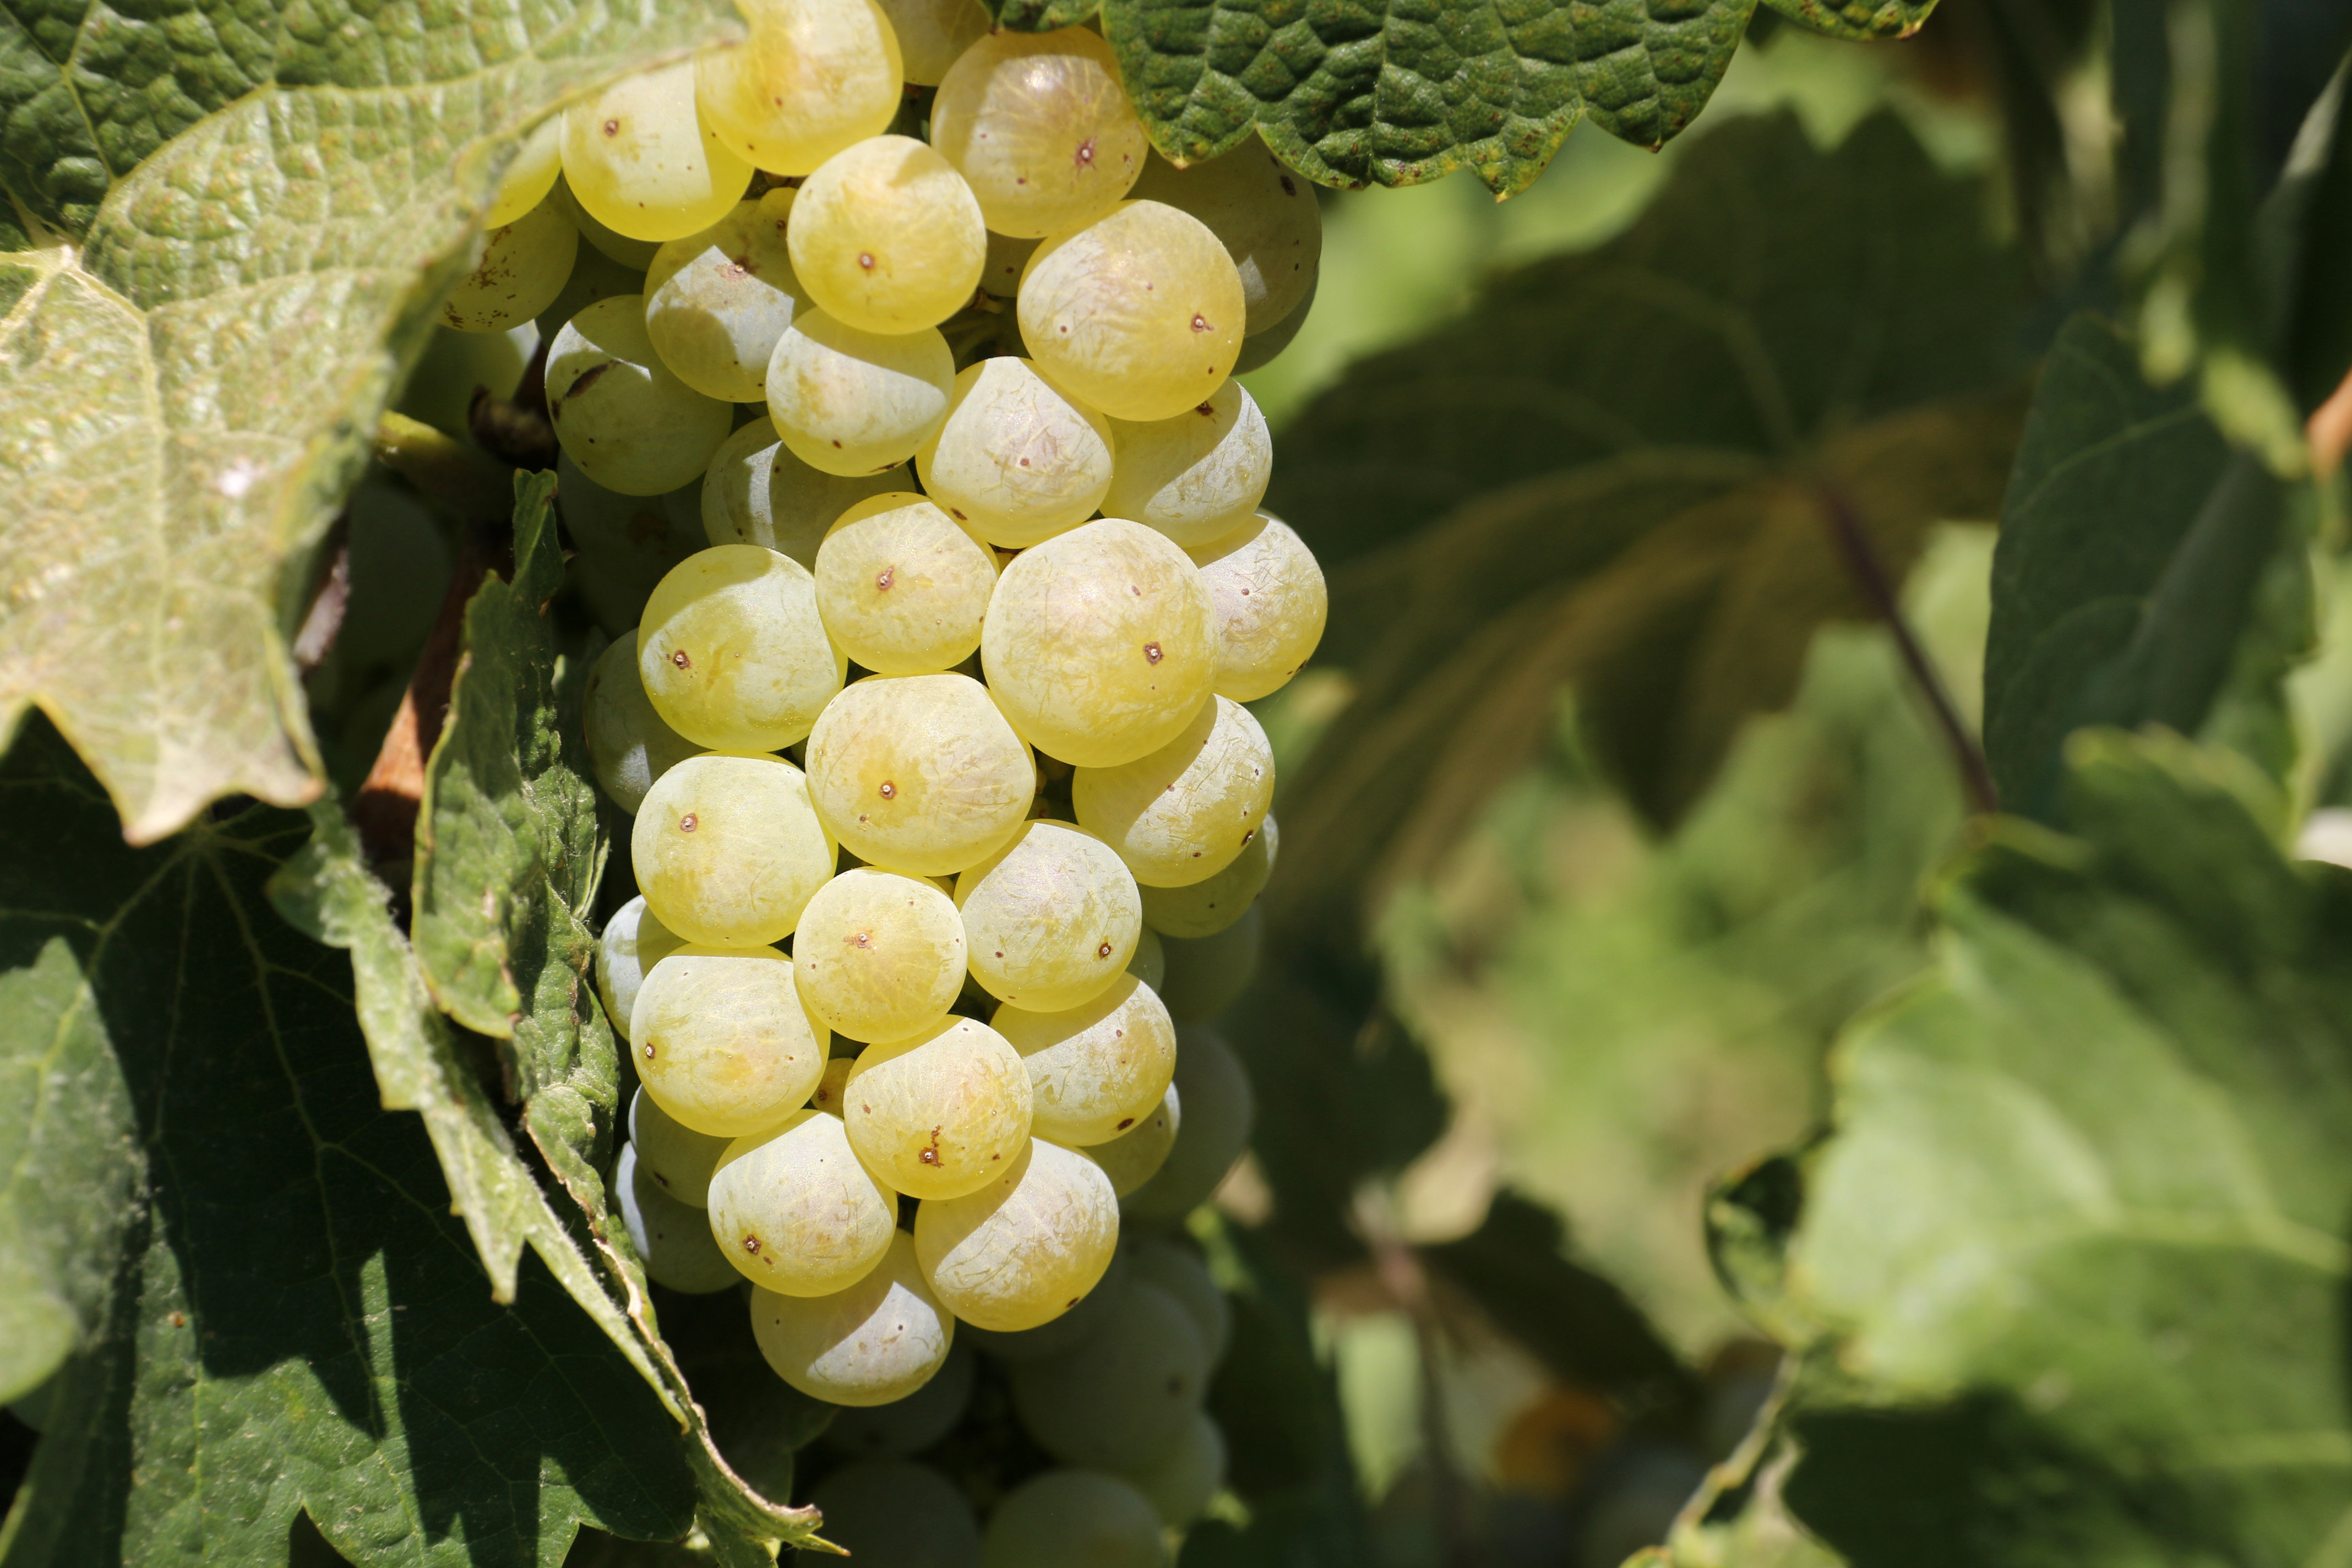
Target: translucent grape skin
919 772
723 1043
1267 597
815 77
1056 1335
1135 1156
1208 974
1196 478
1187 811
915 1423
1027 1246
1041 127
1184 1480
1121 1397
932 35
618 412
794 1210
1097 1070
902 587
641 159
525 263
1208 906
1099 645
670 1239
756 492
1174 1264
940 1113
1139 313
878 1341
888 237
1218 1111
850 401
531 175
1074 1518
717 300
634 940
729 850
1016 459
1267 216
890 1513
1051 919
676 1158
628 745
880 956
732 651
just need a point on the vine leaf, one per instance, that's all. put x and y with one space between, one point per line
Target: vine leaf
297 1321
1860 20
240 231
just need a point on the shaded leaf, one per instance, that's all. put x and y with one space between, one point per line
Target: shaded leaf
265 210
1857 19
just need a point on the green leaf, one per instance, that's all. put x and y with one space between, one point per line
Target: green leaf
265 208
2069 1275
298 1323
1861 20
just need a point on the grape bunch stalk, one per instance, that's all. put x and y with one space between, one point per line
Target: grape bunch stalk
949 815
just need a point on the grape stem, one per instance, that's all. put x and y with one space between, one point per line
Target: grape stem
444 468
1851 539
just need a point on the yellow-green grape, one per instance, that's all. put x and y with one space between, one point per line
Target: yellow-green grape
1121 1397
756 492
880 956
440 389
1182 1480
1040 126
627 544
633 255
1074 1518
531 175
644 162
1027 1246
722 1040
1267 597
670 1238
1198 477
1261 348
594 276
1218 1110
933 34
1050 919
877 1341
901 586
912 1424
848 402
1174 1264
919 772
716 302
628 745
1016 460
1097 1070
1205 907
732 651
1135 1156
829 1087
1207 975
634 940
1099 644
1057 1334
1149 963
941 1113
619 413
1267 217
675 1157
888 237
727 849
794 1210
525 263
1008 258
1187 811
889 1513
815 77
1139 313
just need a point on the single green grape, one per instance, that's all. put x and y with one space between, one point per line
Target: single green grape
933 34
903 587
634 940
919 772
732 651
525 263
891 1513
1074 1518
1026 1245
626 544
1008 258
1196 478
756 492
674 1156
1121 1397
1051 919
722 1041
1016 459
633 255
1099 644
1174 1264
915 1423
671 1239
1268 599
888 237
619 414
1097 1070
796 1212
1135 1156
1208 974
1139 313
716 302
1187 811
1267 216
816 75
1181 1482
851 402
941 1112
1262 349
1218 1110
1056 1334
1204 909
1039 125
1149 963
628 745
728 850
642 162
873 1343
531 175
881 955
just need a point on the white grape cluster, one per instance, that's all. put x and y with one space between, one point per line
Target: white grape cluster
1014 857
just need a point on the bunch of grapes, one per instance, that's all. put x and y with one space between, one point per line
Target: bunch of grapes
948 813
